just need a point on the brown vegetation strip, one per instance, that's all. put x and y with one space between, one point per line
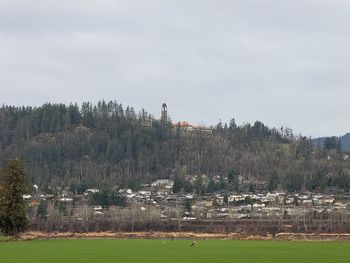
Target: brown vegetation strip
184 235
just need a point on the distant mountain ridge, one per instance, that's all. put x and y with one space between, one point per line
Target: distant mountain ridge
345 141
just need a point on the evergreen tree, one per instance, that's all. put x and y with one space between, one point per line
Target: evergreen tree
294 181
233 180
178 184
198 185
12 206
211 186
188 205
42 210
273 181
252 188
226 199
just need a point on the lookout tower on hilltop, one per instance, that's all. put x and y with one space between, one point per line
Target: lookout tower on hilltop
164 117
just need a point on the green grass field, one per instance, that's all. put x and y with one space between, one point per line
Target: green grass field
153 251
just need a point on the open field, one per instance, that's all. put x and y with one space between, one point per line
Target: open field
221 251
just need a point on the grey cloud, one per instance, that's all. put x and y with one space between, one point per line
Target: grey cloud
282 62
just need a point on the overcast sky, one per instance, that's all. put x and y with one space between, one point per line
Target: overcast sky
285 63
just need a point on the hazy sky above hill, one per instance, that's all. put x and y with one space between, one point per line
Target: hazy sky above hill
281 62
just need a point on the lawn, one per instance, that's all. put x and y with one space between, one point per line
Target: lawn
153 251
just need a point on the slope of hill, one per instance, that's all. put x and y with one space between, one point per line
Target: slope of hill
345 142
106 145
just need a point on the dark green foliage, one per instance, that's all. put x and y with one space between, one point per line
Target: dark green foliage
226 199
294 181
304 148
188 205
332 143
78 188
273 181
179 183
188 188
211 186
100 198
107 198
130 183
318 180
251 188
233 180
13 186
199 186
115 199
342 180
42 210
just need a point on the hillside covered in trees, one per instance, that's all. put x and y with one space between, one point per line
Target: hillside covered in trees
106 145
344 141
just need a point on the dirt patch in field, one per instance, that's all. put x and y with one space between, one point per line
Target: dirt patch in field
314 236
31 235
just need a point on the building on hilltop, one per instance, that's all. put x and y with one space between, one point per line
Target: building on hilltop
182 124
190 127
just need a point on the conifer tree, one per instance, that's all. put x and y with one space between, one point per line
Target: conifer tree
12 206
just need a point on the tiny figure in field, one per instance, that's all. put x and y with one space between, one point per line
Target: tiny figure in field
194 244
172 238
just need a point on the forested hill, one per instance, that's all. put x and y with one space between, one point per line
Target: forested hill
343 140
107 145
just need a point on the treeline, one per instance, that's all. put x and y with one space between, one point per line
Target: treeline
107 144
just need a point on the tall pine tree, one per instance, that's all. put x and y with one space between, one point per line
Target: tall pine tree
13 186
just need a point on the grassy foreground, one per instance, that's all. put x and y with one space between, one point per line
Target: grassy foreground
153 251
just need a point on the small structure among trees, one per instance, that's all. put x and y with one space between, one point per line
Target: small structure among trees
13 186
